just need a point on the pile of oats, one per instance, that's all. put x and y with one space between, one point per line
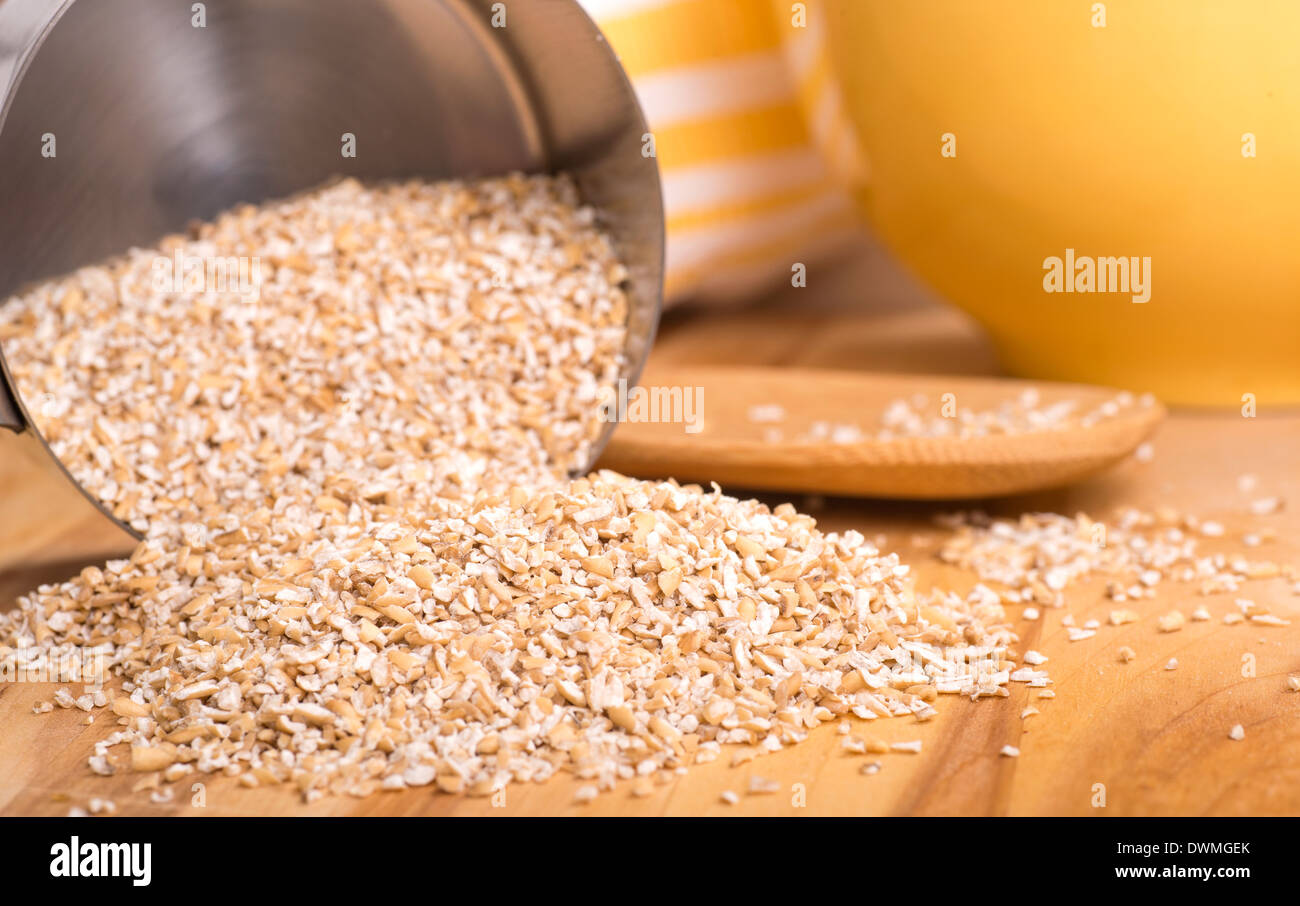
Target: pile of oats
1034 558
365 565
616 628
405 342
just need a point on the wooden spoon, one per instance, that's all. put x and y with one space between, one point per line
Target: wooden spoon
732 449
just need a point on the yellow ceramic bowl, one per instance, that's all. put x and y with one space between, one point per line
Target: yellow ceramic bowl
1131 139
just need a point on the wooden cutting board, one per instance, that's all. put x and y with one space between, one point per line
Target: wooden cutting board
1154 740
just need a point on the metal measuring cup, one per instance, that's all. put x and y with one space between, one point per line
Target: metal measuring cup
160 120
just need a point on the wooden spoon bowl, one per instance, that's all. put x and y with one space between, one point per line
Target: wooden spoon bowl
732 449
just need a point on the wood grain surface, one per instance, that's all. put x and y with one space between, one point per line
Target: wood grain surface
1155 739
